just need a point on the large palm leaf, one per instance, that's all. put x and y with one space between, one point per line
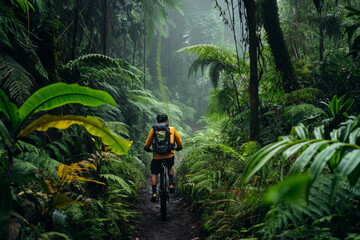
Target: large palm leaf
340 153
119 145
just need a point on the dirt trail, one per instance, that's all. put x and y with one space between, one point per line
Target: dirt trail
181 223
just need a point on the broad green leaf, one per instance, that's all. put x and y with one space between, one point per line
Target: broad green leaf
118 145
59 94
354 135
350 126
307 155
347 105
352 11
263 156
8 108
323 157
333 106
291 191
319 132
337 133
62 201
301 131
346 166
290 151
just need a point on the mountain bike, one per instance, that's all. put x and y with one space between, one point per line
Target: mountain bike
164 188
163 191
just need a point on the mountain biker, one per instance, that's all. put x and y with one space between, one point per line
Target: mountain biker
167 157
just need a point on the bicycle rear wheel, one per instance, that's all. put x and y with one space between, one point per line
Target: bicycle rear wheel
163 196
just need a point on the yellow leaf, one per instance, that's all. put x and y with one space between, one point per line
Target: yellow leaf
50 187
119 145
73 177
63 169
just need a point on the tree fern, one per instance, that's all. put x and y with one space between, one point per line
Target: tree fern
92 60
217 58
212 52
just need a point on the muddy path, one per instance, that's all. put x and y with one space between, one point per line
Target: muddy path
181 223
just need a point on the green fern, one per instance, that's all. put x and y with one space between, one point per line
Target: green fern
92 60
222 103
123 184
283 216
15 79
118 127
217 58
298 113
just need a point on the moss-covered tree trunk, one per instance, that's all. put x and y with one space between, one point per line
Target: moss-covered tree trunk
254 81
277 44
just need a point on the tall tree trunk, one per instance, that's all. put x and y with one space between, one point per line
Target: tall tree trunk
144 60
321 33
277 44
76 23
254 81
232 19
104 35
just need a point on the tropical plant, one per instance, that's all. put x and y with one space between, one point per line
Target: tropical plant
209 175
44 99
339 153
17 74
351 29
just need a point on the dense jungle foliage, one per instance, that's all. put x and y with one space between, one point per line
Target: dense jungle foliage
265 95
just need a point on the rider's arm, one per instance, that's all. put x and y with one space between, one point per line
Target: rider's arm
177 139
149 140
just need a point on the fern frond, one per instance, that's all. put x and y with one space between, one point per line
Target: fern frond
118 127
297 113
27 147
118 180
93 60
214 70
14 78
211 52
198 63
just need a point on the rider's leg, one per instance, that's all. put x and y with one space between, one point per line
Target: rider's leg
154 182
170 164
171 176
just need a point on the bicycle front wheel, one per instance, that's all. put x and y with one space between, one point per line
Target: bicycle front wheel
163 197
